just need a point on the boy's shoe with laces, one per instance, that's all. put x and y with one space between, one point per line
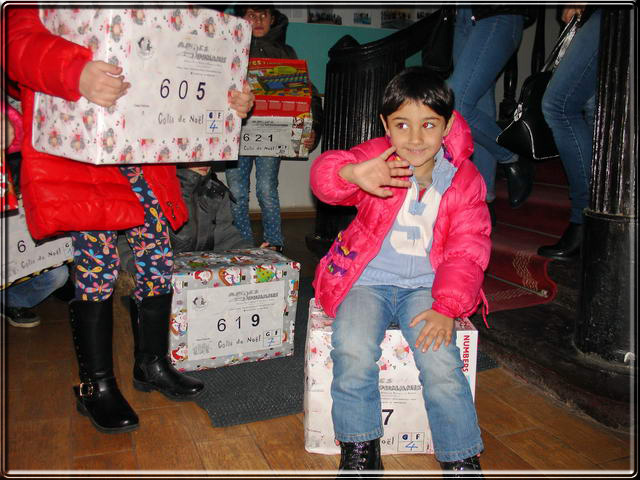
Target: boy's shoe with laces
358 457
21 317
469 467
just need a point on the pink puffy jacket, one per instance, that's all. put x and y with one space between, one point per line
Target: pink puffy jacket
461 242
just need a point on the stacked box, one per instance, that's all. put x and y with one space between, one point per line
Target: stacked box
23 256
276 136
232 307
406 426
281 118
181 61
281 86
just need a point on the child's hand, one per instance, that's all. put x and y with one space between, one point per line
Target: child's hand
438 327
102 84
372 175
242 101
310 140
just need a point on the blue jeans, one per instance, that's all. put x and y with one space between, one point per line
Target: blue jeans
480 52
567 106
358 329
238 181
31 292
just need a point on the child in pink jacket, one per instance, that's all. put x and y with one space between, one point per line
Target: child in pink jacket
415 256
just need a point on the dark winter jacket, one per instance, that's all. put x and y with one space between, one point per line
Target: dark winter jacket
483 11
210 226
272 45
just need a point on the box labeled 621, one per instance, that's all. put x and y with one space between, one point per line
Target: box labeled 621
180 62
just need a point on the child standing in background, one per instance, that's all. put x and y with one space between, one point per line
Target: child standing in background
268 41
414 255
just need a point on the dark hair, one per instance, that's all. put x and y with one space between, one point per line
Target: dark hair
421 85
240 9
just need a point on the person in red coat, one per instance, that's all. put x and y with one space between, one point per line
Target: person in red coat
91 203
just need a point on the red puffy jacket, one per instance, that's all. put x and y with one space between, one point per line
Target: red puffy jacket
62 195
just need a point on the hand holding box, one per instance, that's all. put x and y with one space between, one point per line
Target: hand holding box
180 62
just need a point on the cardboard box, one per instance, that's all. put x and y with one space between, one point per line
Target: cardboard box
276 136
239 306
181 61
406 426
25 257
281 86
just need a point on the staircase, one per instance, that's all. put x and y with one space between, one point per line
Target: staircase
517 277
534 305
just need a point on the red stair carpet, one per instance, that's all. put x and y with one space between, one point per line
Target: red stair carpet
517 276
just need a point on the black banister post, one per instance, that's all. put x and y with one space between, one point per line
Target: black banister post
607 314
356 77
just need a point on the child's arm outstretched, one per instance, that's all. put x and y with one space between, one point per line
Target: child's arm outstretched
375 174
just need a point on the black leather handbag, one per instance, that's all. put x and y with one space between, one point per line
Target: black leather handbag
528 134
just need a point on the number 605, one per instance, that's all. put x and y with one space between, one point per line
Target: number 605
183 89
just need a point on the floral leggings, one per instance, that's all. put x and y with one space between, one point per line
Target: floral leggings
96 258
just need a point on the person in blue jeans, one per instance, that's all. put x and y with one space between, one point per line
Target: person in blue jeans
414 256
19 298
268 28
485 38
568 106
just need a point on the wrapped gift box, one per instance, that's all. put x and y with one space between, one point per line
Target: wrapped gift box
281 118
281 86
233 307
181 62
276 136
23 256
406 426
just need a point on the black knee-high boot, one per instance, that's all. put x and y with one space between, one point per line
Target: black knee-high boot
152 369
98 396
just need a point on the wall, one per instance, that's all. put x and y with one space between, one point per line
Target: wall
312 43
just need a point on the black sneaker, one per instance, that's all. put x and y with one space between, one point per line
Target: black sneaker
21 317
469 467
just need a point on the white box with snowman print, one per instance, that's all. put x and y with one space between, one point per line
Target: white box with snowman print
181 61
232 307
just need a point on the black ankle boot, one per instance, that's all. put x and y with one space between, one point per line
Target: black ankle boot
568 247
152 369
519 180
98 396
469 467
359 456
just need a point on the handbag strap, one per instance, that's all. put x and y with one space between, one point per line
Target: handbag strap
563 42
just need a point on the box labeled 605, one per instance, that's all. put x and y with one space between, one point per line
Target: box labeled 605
180 62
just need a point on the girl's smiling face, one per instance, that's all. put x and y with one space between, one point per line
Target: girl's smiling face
416 131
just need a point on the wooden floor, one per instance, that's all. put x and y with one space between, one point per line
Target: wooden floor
523 428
